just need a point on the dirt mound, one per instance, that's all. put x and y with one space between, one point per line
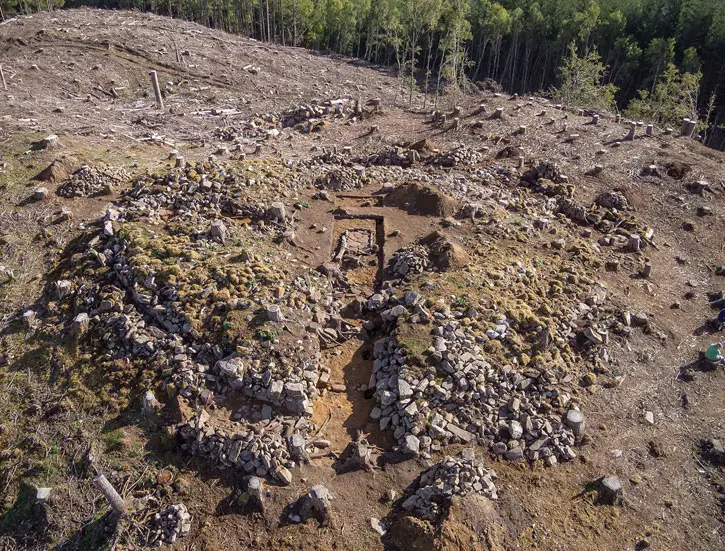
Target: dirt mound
58 170
472 524
417 198
445 254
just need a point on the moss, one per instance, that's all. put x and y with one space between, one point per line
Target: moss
414 339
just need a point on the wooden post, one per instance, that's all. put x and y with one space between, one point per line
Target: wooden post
157 90
109 492
2 76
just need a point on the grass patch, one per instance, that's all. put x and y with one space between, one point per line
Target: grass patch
414 339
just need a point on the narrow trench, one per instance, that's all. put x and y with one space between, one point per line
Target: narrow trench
351 364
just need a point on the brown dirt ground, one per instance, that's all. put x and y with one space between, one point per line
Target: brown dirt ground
58 61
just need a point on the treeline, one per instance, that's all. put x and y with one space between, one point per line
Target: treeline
519 43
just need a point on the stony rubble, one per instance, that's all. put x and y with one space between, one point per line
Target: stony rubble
88 181
171 523
410 260
137 308
459 393
460 155
431 494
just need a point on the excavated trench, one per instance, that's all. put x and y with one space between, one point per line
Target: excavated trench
344 411
346 223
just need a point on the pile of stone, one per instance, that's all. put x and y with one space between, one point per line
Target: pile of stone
196 193
258 449
88 181
302 116
170 524
435 488
612 200
250 130
545 170
190 321
343 178
314 505
392 156
460 155
409 260
456 394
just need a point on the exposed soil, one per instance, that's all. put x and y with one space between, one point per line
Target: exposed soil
61 70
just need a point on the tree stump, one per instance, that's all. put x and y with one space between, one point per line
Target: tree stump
575 421
635 243
610 491
632 131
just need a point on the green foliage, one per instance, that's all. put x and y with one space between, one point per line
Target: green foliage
674 97
582 81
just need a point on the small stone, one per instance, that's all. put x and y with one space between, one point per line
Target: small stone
284 476
656 449
649 417
378 526
42 495
411 445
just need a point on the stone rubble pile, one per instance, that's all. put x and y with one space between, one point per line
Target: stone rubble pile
315 504
435 488
170 524
194 193
409 260
306 118
391 156
193 320
460 155
258 449
88 181
343 178
460 394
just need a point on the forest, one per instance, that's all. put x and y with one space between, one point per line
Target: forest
645 49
